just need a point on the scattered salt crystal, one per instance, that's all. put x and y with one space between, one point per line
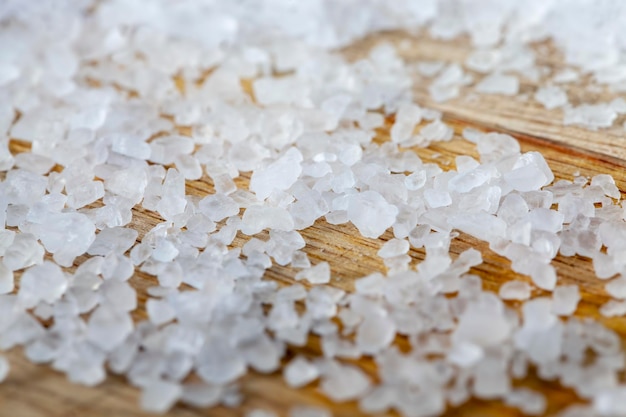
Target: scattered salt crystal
515 290
393 247
4 368
407 117
613 308
300 372
260 413
551 97
6 280
375 333
345 383
617 287
45 282
565 299
593 116
498 84
319 274
160 395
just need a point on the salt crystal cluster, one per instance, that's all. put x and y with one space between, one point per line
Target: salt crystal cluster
121 107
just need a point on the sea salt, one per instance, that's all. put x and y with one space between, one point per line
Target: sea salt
565 299
300 372
515 290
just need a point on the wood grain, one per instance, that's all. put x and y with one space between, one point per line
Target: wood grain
38 391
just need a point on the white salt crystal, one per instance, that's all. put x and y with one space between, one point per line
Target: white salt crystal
260 413
4 368
201 395
345 383
371 213
515 290
565 300
159 311
6 280
610 401
108 328
407 117
544 276
613 308
593 116
45 282
159 396
434 132
319 274
437 198
258 218
551 97
526 400
374 334
498 84
217 207
530 172
300 372
113 239
279 175
393 247
617 287
607 184
23 252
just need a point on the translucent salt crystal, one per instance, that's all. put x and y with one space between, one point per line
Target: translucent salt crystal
619 105
435 132
44 282
201 395
407 117
159 396
159 311
309 411
4 368
415 181
219 364
35 163
108 328
429 68
437 198
551 97
610 401
393 247
23 252
483 60
528 401
279 175
371 213
465 354
483 323
217 207
84 194
613 308
493 146
544 276
374 334
467 181
617 287
165 251
499 84
260 413
345 383
592 116
258 218
530 172
607 184
300 372
113 239
515 290
6 280
565 300
129 183
319 274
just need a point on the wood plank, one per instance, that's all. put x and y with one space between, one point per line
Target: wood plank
38 391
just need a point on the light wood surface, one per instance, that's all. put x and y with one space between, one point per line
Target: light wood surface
38 391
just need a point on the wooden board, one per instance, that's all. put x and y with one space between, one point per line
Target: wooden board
38 391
